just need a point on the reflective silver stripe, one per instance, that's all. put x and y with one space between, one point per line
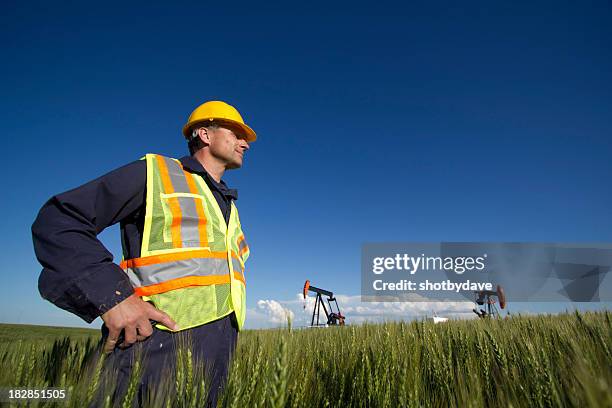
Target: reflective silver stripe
176 176
134 280
152 274
236 265
190 233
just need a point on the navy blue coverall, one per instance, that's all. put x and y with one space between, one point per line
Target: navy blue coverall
79 274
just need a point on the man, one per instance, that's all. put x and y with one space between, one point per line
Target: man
183 248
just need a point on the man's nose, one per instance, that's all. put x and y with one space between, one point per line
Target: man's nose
244 144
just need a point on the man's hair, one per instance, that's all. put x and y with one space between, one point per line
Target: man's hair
195 143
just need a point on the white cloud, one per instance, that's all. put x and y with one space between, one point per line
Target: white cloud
275 312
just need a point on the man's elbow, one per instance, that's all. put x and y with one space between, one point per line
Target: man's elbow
41 215
41 226
40 242
36 226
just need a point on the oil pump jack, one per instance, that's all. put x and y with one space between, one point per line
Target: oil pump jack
487 299
333 318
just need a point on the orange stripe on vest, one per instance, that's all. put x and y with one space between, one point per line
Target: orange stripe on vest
175 208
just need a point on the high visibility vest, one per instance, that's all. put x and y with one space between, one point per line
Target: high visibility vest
191 263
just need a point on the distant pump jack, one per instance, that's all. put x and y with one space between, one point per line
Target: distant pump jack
487 298
333 318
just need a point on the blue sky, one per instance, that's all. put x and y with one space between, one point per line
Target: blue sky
428 122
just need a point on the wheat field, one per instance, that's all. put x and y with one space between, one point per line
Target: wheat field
523 361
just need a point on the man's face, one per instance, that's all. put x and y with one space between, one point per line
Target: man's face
228 145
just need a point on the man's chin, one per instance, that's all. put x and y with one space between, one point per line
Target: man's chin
234 165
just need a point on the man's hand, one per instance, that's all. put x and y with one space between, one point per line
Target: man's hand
132 315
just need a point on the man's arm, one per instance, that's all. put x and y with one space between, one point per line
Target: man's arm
78 271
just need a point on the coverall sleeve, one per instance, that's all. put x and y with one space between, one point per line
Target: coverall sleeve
78 272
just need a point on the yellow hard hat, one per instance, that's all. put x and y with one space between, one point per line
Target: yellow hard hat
220 112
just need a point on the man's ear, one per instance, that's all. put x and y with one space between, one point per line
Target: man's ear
204 135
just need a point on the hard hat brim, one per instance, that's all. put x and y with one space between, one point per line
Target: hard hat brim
251 136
